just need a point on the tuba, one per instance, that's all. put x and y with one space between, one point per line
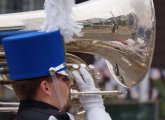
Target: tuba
122 32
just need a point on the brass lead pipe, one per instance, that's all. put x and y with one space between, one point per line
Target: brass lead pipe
75 95
109 93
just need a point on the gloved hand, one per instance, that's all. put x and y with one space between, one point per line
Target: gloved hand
92 104
86 83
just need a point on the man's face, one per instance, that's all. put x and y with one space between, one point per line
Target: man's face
64 84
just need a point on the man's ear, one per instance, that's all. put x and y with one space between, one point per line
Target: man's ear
45 87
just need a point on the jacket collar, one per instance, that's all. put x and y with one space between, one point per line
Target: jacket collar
34 103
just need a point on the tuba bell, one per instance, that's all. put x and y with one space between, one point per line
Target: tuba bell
122 32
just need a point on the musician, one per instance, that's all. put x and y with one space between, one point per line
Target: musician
40 78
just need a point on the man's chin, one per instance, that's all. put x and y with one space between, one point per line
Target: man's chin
67 107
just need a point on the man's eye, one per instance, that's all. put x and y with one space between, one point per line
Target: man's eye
65 78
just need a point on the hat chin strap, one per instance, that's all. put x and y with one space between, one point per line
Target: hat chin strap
57 88
55 69
63 72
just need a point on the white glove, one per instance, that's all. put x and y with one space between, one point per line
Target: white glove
93 104
84 80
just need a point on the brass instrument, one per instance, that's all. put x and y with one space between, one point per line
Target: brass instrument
119 31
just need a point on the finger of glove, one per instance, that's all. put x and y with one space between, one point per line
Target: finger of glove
86 76
78 78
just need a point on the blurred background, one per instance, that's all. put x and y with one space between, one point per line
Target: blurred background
143 102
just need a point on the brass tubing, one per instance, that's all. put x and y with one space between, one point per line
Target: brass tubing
8 109
9 87
2 55
4 82
3 63
9 104
4 70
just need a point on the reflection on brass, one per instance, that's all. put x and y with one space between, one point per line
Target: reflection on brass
131 69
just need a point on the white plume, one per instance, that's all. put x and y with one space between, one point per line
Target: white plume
59 17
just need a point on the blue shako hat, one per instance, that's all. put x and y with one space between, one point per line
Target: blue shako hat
4 34
31 55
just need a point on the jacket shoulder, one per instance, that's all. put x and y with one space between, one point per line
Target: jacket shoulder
37 114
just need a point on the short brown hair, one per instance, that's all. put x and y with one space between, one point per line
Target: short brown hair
27 88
